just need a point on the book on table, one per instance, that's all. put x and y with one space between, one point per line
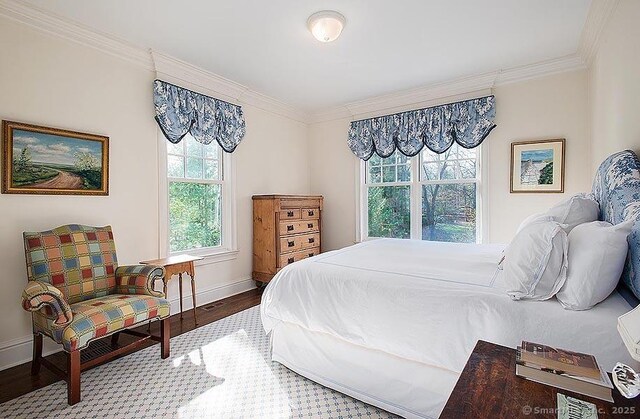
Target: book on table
571 371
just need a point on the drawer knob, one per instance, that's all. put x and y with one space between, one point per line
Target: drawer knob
290 228
290 260
311 240
289 213
310 225
310 213
290 244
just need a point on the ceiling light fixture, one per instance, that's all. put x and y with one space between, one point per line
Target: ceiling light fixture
326 25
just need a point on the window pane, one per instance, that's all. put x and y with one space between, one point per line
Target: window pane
194 148
211 151
395 168
194 215
430 171
175 148
404 173
194 168
389 211
375 174
175 166
455 163
449 212
465 169
211 169
388 173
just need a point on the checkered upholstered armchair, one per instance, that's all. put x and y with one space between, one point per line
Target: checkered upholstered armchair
77 293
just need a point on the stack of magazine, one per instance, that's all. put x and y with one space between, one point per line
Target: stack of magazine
571 371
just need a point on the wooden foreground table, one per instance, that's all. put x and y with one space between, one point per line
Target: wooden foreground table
489 388
177 265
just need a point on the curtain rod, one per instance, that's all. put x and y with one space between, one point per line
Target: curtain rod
422 109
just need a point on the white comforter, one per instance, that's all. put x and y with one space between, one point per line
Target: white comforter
430 302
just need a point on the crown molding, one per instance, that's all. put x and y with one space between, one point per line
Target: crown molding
181 72
449 91
599 13
545 68
177 71
164 65
64 28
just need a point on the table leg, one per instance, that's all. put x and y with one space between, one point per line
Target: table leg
193 295
180 282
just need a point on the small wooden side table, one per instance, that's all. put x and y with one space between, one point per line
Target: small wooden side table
177 265
489 388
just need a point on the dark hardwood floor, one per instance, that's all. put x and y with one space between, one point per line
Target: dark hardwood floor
16 381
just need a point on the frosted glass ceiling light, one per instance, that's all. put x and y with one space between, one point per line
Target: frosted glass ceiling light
326 25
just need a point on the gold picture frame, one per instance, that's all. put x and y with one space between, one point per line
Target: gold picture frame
537 166
50 161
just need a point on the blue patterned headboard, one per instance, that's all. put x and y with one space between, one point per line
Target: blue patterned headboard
617 190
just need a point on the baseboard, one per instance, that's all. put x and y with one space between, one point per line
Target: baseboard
18 351
210 295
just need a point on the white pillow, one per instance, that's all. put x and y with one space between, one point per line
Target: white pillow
578 209
532 218
597 252
535 265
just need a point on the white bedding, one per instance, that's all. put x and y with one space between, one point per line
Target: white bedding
429 303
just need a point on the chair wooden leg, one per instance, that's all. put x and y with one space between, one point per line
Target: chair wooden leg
114 339
165 335
73 377
37 354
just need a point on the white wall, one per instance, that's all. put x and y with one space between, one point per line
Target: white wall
49 81
550 107
614 85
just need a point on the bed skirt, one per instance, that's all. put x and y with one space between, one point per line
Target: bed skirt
407 388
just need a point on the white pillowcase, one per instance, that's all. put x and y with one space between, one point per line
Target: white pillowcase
534 217
578 209
597 253
535 265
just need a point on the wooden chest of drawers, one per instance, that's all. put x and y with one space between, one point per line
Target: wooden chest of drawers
286 229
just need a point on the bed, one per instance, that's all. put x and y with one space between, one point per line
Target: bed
392 322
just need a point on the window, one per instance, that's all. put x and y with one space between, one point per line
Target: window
430 196
388 196
196 194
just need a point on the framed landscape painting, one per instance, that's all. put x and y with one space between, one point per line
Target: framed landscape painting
537 166
41 160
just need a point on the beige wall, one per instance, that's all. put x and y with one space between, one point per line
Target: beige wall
49 81
614 85
551 107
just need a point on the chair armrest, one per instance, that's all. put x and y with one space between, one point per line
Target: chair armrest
138 279
38 295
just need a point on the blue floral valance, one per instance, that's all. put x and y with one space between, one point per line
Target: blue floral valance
468 123
180 111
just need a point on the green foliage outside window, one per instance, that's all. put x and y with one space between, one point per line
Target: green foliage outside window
389 211
194 215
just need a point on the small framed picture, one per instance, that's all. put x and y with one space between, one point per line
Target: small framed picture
42 160
537 166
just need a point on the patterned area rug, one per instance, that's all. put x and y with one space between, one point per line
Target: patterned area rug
221 370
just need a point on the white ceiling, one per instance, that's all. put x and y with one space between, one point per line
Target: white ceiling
386 46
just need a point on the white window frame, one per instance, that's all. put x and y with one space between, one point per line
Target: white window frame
362 221
228 248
